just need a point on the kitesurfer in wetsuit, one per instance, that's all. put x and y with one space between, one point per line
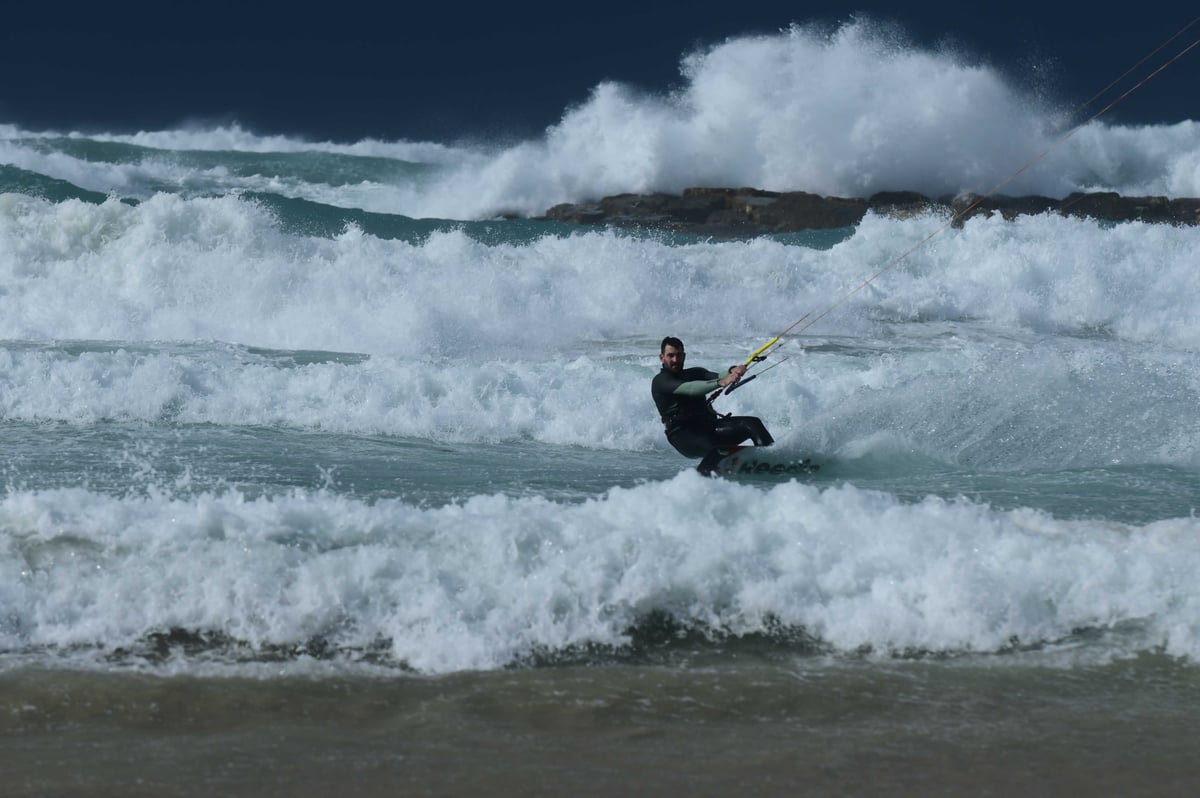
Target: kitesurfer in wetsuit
692 426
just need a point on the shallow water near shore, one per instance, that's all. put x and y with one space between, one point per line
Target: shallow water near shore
773 724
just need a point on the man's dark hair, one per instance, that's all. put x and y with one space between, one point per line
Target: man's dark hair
670 340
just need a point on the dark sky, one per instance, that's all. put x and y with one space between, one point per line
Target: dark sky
441 71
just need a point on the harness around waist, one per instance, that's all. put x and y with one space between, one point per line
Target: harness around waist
683 420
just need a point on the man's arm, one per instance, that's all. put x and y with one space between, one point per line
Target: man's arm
696 387
711 382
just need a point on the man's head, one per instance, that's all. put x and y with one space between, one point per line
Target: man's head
671 354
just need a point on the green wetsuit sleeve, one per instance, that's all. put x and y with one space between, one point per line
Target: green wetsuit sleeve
699 387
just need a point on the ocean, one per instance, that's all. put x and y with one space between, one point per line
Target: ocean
326 469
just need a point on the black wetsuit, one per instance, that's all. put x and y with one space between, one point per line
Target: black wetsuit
692 426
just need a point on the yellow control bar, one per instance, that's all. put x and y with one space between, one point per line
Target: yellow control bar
759 351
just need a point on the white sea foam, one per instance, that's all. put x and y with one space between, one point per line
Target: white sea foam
477 584
221 269
236 138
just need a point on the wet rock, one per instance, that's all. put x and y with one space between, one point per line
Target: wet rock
748 212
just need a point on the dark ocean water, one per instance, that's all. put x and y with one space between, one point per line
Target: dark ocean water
435 73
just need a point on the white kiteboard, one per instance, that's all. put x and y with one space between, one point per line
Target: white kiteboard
758 461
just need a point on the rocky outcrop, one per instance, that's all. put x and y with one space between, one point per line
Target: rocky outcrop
746 212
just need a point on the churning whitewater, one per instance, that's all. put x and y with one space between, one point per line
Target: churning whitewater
268 403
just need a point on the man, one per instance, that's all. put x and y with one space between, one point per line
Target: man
692 426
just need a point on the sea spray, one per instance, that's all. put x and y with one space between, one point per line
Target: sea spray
849 113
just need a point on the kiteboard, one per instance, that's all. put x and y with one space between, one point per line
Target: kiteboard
753 461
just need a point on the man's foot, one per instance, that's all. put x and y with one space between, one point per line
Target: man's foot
709 464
